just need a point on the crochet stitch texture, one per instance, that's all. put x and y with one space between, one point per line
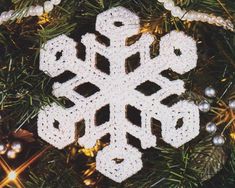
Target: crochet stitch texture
117 89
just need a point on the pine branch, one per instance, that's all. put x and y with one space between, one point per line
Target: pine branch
53 171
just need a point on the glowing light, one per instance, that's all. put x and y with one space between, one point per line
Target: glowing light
12 175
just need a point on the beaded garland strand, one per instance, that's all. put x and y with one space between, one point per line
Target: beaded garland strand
32 11
168 4
196 16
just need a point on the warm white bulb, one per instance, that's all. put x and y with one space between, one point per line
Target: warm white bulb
12 175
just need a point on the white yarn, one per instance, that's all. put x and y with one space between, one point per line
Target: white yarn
32 11
196 16
118 89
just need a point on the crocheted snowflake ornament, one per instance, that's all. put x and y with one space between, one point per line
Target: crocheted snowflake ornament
118 88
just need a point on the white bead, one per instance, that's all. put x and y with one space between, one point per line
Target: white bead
177 12
56 2
204 17
218 140
211 19
4 16
219 21
169 5
211 127
210 92
48 6
229 25
198 16
194 15
9 14
11 154
189 16
232 104
38 10
3 148
16 146
204 106
31 11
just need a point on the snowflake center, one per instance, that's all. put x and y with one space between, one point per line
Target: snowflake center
119 90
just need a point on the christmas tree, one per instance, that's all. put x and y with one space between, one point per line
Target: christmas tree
162 71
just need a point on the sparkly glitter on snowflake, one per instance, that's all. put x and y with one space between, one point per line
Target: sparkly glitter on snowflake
116 89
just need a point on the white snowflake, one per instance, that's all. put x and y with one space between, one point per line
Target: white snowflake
117 89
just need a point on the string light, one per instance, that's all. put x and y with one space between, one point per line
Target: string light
12 175
43 19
